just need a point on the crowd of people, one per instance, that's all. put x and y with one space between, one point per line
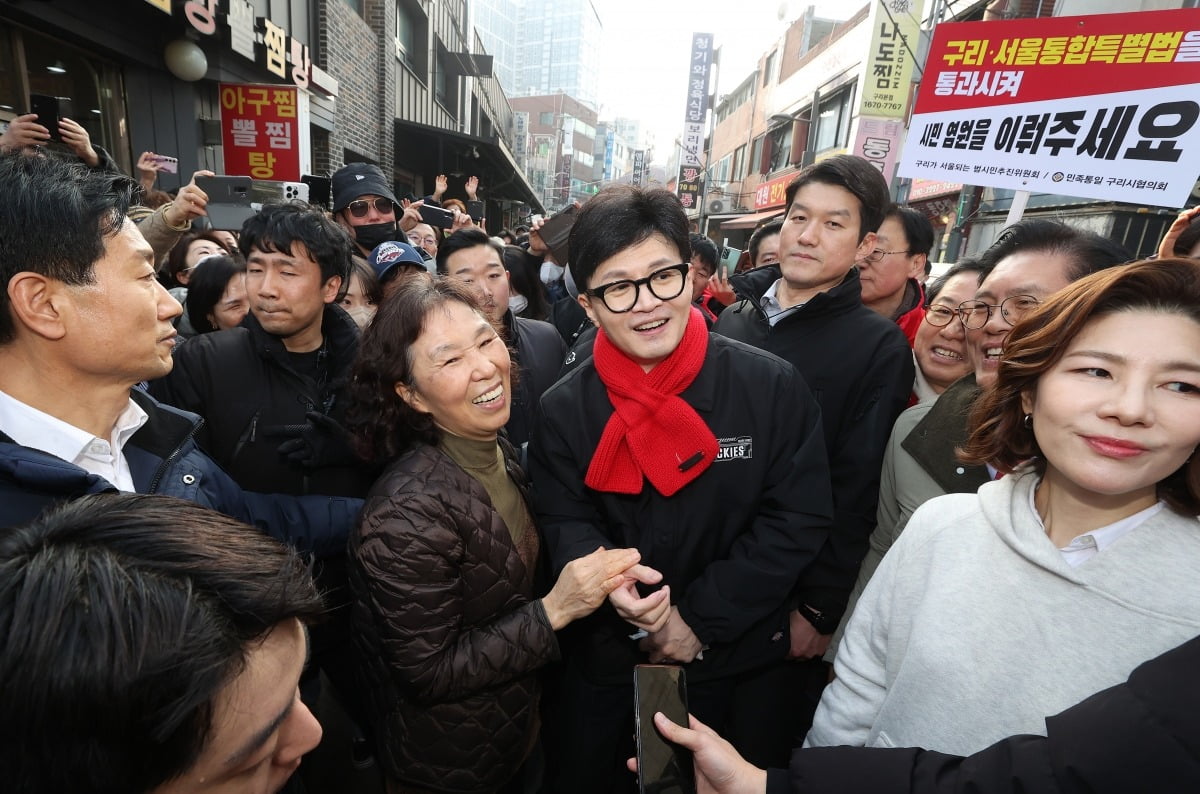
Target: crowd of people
409 504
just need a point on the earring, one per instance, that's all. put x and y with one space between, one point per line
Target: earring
1028 421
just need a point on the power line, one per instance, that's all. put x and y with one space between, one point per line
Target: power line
903 38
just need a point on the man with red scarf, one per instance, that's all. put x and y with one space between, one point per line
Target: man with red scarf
703 453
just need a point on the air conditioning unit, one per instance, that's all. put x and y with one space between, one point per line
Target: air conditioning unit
716 206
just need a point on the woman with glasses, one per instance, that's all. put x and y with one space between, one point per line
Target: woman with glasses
1056 580
1030 261
446 563
940 344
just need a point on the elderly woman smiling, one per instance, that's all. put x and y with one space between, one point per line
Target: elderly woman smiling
444 563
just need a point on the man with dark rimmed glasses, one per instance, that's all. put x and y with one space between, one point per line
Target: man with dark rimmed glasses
701 452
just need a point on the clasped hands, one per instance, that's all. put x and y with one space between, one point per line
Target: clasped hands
668 637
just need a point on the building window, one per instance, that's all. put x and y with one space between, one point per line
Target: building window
546 119
739 163
411 36
31 63
357 5
769 68
756 151
445 84
781 147
833 121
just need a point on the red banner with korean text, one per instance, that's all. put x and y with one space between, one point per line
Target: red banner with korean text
1102 106
260 130
773 193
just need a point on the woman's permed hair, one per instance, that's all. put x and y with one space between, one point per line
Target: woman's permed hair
382 423
998 432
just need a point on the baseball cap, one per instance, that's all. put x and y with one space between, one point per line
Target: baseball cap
387 257
359 179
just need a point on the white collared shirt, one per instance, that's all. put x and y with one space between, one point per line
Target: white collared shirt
105 458
1089 544
772 307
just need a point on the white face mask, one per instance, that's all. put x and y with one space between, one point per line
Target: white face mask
551 272
517 303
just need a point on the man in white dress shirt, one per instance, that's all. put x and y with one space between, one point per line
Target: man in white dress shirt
82 321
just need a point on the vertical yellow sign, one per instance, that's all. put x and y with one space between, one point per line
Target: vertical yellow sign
894 35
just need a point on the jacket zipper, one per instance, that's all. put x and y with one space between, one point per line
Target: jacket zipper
166 464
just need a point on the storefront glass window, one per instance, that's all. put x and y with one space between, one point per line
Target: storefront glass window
90 86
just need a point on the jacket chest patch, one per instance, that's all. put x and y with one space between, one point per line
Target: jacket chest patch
739 448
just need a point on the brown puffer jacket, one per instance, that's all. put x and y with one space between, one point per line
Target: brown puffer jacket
448 635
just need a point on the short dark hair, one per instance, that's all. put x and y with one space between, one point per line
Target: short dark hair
54 218
621 216
124 616
856 175
967 264
768 229
382 423
206 287
461 240
1087 251
917 229
280 226
998 432
705 249
177 258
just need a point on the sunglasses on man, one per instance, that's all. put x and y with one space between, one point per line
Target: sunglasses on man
361 207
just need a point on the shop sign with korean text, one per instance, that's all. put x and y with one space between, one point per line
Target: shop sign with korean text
691 143
1103 106
260 131
773 193
896 29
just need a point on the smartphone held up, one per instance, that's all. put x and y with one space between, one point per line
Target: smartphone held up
663 766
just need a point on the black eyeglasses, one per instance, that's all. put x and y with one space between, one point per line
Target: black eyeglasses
877 255
975 314
666 284
361 207
941 316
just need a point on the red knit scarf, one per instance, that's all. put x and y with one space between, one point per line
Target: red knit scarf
652 432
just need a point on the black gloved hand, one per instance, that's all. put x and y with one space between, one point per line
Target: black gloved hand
320 441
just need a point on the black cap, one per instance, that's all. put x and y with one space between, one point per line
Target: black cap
359 179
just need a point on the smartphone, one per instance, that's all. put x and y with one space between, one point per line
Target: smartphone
169 165
318 189
556 233
49 110
271 191
436 216
475 210
229 200
728 262
663 767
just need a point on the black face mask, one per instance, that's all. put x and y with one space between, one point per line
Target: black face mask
372 234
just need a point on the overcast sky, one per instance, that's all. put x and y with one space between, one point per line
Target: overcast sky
647 44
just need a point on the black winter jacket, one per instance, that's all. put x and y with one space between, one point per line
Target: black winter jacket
539 355
860 370
1139 736
730 544
449 637
244 385
164 459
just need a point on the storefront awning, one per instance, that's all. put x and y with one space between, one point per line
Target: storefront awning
430 151
751 221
